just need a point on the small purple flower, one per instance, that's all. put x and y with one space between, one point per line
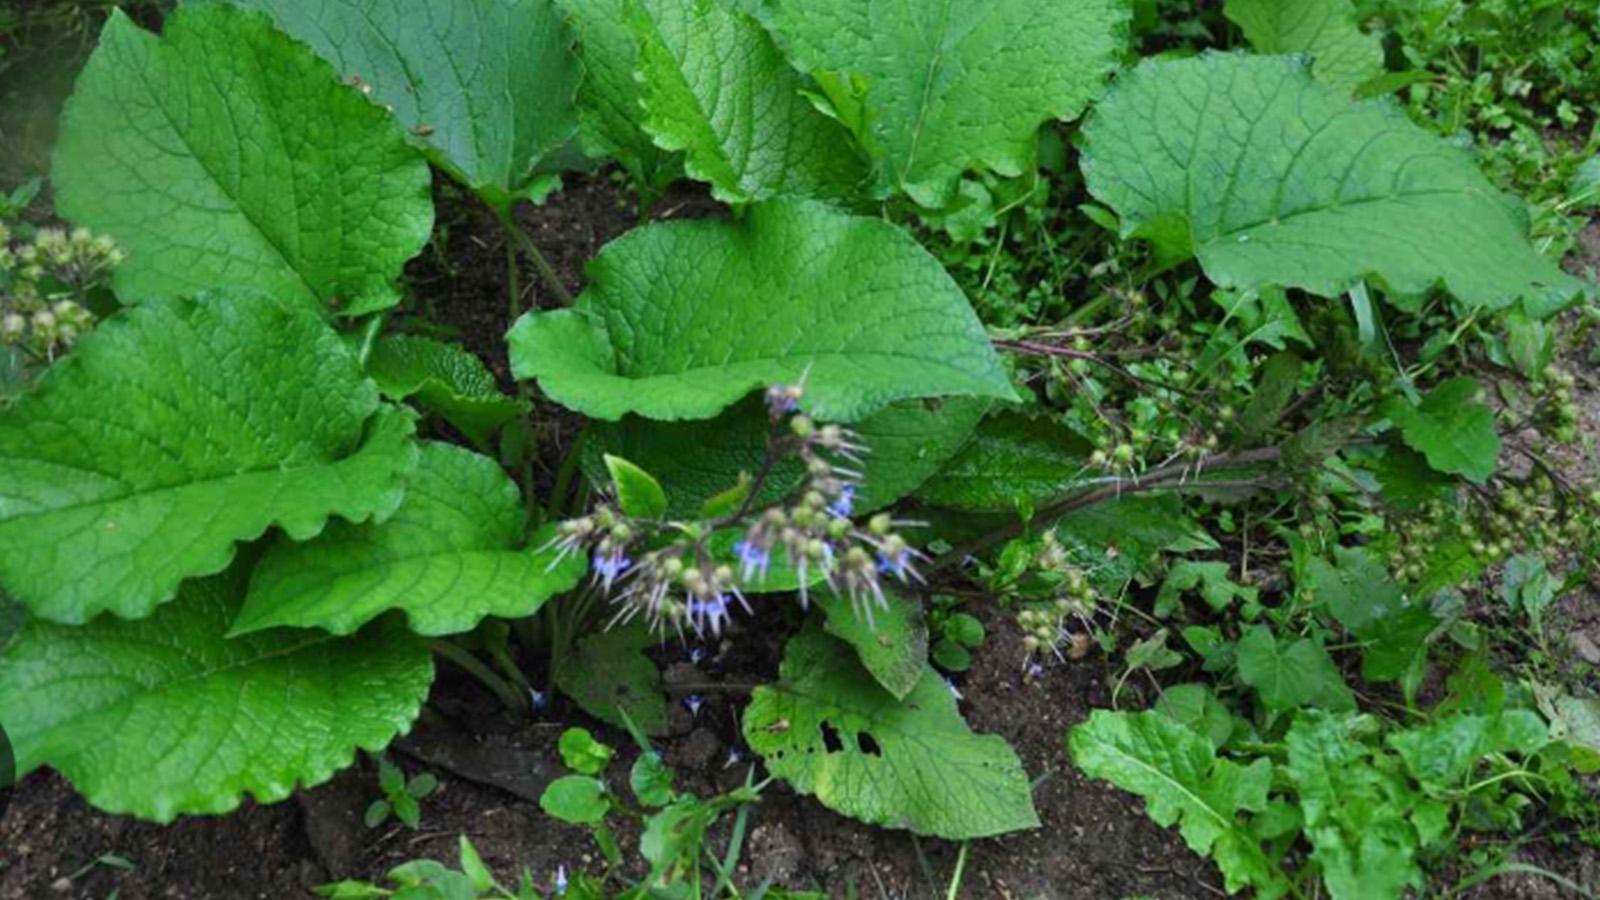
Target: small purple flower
537 699
734 758
561 880
608 567
753 558
709 614
693 702
845 504
696 654
954 691
899 565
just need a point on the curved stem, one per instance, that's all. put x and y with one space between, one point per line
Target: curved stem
470 664
529 249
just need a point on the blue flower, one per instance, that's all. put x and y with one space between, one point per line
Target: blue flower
899 564
537 699
709 613
753 558
846 502
561 880
608 567
693 703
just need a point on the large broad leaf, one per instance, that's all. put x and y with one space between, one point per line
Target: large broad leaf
1273 178
175 430
934 89
225 154
828 729
1183 783
608 675
610 99
683 318
1441 754
1013 461
445 379
448 557
1325 30
718 88
165 716
486 85
1451 428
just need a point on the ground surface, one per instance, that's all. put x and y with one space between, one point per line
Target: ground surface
1096 842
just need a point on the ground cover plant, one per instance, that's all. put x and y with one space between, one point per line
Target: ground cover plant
1243 352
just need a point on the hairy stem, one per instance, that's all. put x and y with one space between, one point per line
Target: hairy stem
1165 478
529 249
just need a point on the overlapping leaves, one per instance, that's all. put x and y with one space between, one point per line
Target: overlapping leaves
176 430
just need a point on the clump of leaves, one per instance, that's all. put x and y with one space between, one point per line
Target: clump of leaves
401 796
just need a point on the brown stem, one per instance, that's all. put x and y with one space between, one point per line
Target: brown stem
1163 478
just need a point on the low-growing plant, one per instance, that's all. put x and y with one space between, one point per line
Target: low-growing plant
249 509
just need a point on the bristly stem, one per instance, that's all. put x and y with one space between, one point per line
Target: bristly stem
529 249
509 695
1166 477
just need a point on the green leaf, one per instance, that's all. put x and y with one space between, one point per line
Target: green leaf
683 318
1441 754
450 556
610 99
165 716
718 88
1355 810
608 675
285 182
581 753
444 379
175 430
1289 674
1013 459
576 800
1577 721
486 86
1325 30
1451 428
638 493
726 447
1272 178
651 779
472 866
1356 589
1280 378
933 90
891 643
908 440
1528 587
1195 707
1183 783
828 729
1209 578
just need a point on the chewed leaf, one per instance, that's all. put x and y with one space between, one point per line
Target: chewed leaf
935 89
1325 30
486 85
166 716
175 430
285 182
449 556
719 89
609 676
1270 177
828 729
682 319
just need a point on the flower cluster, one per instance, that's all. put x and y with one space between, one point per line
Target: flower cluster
1044 627
669 573
42 284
